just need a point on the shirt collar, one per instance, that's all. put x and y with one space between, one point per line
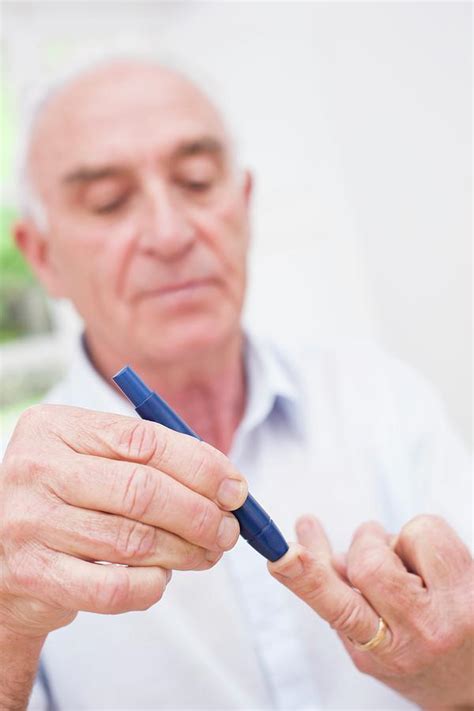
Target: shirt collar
272 387
85 387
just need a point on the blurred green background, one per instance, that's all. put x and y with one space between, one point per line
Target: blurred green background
25 313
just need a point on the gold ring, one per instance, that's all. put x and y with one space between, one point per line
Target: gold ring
378 637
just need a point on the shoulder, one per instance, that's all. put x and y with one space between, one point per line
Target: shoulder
363 380
363 364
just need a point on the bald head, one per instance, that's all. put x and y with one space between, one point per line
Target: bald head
95 112
146 225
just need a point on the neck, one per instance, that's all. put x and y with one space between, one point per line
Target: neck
208 392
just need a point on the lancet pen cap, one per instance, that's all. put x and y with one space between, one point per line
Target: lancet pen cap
132 386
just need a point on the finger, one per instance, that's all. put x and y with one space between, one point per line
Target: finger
312 578
95 536
78 585
375 569
195 464
312 535
430 547
143 494
339 562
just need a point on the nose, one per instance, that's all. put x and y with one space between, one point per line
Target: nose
166 231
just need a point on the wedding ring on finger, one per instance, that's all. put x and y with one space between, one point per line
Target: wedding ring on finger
374 642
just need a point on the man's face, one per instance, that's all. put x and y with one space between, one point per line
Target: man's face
147 220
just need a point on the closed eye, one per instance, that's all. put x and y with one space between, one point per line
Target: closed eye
197 185
112 206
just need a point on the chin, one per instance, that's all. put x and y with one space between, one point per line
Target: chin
191 338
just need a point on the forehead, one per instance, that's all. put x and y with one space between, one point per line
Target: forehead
123 114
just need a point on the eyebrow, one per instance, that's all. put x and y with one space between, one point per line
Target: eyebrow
200 146
87 174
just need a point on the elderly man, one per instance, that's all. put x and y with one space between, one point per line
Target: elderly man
141 219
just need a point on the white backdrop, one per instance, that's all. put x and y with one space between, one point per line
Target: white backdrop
356 120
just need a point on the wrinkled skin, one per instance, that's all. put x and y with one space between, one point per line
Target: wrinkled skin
105 487
146 231
420 583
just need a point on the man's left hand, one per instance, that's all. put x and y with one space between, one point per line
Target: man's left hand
420 583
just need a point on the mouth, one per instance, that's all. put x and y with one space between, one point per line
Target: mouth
180 291
183 287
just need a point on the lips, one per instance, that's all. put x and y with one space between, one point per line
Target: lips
182 286
179 290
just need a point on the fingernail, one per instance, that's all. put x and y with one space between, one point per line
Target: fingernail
228 532
230 493
304 526
293 569
169 574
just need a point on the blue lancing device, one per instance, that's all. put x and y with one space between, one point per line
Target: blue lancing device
256 525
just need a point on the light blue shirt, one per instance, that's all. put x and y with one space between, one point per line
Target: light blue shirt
348 434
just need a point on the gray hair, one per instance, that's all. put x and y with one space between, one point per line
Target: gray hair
29 200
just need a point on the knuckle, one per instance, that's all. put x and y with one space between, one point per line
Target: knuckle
137 440
367 569
204 521
34 414
419 524
309 587
161 443
202 465
27 426
134 540
34 418
111 593
347 619
22 464
141 489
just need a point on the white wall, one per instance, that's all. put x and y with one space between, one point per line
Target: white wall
356 119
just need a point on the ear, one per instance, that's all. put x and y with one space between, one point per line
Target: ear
35 247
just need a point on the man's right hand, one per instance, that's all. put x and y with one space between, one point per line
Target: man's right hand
78 486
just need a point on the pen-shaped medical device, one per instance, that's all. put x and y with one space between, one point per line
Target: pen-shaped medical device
256 525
